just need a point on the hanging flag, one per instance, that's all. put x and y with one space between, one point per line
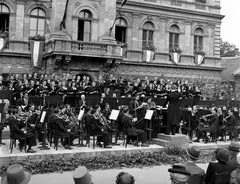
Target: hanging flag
199 59
36 52
3 42
123 3
63 22
148 55
175 56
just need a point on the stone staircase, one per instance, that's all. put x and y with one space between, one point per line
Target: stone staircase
168 140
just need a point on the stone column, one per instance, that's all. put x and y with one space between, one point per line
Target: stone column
107 12
20 20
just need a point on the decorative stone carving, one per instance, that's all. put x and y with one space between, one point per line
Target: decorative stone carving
95 6
77 3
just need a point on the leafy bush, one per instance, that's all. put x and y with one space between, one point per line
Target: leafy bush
169 155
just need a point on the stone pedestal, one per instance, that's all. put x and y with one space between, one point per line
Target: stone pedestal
169 140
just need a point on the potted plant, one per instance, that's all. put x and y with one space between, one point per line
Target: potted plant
175 54
36 47
199 56
148 53
4 35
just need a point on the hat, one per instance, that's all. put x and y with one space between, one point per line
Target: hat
179 174
16 174
124 178
193 152
234 146
222 155
81 176
178 169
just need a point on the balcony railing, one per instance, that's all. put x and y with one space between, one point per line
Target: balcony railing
94 49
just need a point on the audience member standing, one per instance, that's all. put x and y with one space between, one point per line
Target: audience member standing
193 155
234 150
222 156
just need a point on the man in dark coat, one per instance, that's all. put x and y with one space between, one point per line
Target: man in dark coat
173 110
63 131
128 122
17 132
222 155
212 125
234 149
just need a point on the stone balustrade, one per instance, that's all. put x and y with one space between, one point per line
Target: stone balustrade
84 48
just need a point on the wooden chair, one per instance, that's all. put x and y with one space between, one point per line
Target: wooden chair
57 136
222 178
91 132
13 141
127 137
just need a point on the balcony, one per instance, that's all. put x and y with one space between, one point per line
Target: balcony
81 48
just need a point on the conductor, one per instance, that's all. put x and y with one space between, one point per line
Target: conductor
173 110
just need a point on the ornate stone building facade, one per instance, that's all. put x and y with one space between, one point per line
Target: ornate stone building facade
149 37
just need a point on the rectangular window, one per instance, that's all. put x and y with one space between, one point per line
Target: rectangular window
120 34
4 22
84 30
173 40
147 38
198 42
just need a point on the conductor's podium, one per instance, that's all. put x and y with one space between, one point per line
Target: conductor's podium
169 140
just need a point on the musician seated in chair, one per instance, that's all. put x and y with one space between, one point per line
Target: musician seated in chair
100 128
229 124
131 130
210 125
19 131
63 130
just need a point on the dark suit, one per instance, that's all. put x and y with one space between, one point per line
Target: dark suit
17 133
173 111
193 168
216 168
63 131
127 122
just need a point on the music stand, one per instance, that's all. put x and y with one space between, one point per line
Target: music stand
148 116
80 117
113 117
43 120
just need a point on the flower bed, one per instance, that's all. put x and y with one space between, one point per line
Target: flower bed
170 155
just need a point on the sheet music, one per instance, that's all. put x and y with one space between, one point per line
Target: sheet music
149 114
43 116
114 115
80 115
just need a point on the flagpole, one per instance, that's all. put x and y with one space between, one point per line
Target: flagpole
111 28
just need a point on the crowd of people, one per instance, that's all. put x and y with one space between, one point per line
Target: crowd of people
225 171
44 84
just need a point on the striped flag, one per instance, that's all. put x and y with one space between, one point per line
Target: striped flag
3 42
123 3
199 59
36 52
148 55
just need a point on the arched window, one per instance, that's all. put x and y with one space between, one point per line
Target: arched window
37 22
84 25
148 30
4 17
121 30
174 36
198 39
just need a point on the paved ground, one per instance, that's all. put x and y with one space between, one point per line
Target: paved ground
153 175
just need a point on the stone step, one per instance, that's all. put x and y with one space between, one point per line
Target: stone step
161 142
177 139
